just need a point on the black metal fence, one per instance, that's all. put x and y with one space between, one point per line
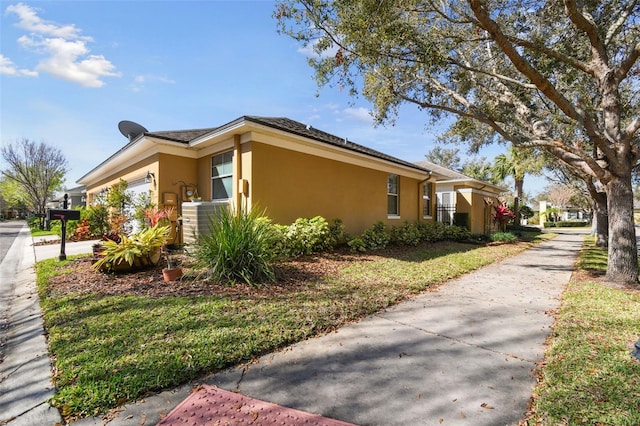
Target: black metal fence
444 213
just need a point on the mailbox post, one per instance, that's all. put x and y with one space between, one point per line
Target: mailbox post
63 215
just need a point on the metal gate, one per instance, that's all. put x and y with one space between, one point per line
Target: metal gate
444 213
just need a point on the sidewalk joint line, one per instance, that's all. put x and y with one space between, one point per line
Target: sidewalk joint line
463 342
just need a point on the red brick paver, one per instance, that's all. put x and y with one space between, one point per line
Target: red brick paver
212 406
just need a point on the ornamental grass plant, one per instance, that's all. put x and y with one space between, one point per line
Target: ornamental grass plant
238 247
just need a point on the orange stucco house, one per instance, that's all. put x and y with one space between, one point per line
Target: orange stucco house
284 167
466 199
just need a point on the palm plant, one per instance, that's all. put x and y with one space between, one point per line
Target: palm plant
517 162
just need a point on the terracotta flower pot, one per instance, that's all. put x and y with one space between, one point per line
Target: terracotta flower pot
97 250
171 274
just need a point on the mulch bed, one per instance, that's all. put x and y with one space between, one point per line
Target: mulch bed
293 275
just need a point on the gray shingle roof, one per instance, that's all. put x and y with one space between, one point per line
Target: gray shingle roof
184 136
301 129
287 125
443 171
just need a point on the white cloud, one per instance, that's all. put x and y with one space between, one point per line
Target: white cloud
64 49
31 22
140 80
360 114
9 68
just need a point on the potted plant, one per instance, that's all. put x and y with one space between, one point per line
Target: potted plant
136 252
172 272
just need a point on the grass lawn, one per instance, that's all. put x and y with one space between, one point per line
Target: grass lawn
40 232
110 350
589 376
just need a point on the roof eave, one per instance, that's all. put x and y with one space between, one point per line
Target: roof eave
475 183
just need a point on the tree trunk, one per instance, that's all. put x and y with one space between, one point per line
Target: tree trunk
516 200
601 219
622 264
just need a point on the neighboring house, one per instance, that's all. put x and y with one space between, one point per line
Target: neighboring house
551 213
286 168
462 200
76 197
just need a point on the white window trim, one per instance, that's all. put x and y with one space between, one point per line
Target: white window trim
424 197
230 175
394 216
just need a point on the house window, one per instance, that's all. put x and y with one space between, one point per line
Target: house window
426 199
446 207
222 176
393 183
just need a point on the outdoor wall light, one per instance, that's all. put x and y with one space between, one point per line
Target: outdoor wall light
150 177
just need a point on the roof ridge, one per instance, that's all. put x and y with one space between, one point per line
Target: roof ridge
308 130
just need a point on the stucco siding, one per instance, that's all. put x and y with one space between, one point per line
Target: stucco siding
133 173
175 170
293 184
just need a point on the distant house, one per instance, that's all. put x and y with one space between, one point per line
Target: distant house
550 213
284 167
75 197
462 200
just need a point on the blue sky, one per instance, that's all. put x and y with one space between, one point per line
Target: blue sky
71 70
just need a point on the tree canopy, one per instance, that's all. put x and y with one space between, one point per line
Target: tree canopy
445 157
37 168
558 75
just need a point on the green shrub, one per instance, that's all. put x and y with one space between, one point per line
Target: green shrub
356 244
456 233
571 224
479 238
503 237
526 212
239 247
431 231
461 219
138 251
522 228
337 234
407 234
34 223
376 237
98 217
438 231
306 236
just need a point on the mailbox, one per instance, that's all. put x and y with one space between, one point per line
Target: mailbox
63 214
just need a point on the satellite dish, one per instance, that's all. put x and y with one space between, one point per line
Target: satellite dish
131 130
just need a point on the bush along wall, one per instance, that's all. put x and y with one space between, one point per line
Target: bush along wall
566 224
243 246
409 233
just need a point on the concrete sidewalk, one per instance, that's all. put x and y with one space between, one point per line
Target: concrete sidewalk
461 355
25 371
